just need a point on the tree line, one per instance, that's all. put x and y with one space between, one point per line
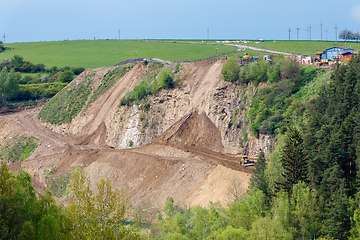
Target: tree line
25 214
16 85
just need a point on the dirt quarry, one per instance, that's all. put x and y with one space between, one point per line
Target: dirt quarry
189 158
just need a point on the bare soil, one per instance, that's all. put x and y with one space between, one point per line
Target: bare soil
187 161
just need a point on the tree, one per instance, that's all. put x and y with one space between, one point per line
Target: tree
28 232
268 228
294 161
97 217
230 72
169 207
347 35
25 214
258 179
9 87
304 211
17 62
2 48
66 76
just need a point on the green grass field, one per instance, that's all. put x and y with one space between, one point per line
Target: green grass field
302 47
101 53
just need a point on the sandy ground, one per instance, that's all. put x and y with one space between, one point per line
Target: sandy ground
185 162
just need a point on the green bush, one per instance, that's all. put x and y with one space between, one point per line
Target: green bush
66 76
165 78
153 81
38 91
230 71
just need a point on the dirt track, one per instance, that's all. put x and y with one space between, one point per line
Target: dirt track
185 162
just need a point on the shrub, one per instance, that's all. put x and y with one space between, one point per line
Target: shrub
149 85
66 76
165 78
39 90
230 71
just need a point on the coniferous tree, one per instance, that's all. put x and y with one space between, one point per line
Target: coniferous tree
258 179
294 161
336 214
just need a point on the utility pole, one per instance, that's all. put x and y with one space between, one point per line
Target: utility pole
310 31
336 27
297 31
321 24
289 33
4 37
326 33
119 33
307 33
208 34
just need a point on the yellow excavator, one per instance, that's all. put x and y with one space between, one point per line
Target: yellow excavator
246 162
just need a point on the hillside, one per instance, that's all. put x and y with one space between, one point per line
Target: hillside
182 146
159 129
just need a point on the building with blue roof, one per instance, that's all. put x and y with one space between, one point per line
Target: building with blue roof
336 52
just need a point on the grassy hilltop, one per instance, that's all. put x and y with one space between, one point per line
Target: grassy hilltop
101 53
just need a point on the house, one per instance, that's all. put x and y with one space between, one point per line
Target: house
334 53
305 60
345 57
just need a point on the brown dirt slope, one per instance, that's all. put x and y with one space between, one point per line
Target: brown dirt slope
185 162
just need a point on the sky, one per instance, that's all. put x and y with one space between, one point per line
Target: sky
54 20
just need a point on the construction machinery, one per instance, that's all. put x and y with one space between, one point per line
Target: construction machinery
246 162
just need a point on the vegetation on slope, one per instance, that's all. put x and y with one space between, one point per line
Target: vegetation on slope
73 99
67 104
18 148
323 106
157 77
282 85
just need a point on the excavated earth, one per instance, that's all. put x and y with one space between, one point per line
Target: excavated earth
187 149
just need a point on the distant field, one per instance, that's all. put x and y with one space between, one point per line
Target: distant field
302 47
101 53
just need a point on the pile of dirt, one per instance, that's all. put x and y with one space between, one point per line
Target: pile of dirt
194 130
